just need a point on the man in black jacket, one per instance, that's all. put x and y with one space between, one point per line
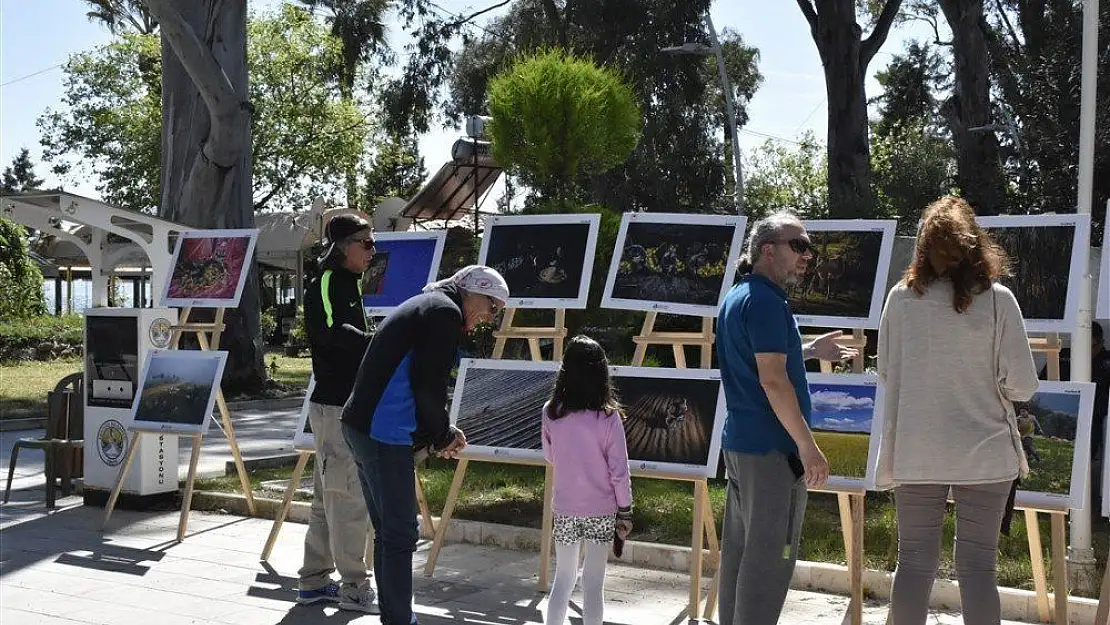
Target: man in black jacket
399 405
336 327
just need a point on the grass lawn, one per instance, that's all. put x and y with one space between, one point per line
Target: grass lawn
513 495
23 385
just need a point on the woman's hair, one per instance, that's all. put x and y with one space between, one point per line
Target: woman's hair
949 225
583 382
764 231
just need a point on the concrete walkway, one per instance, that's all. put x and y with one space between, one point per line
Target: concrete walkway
61 569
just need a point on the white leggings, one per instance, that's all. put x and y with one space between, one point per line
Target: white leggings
593 583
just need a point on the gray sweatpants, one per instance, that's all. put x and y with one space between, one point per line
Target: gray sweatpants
338 522
759 540
921 509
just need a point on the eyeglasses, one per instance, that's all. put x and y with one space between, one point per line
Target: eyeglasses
798 245
494 307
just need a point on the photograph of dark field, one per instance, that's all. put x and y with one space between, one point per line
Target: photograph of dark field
840 280
539 260
668 420
1041 263
177 390
678 263
503 407
1048 425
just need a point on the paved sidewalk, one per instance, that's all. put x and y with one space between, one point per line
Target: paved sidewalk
61 569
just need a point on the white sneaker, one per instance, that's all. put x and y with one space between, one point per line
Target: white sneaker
361 598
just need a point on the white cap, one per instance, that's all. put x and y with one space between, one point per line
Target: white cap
477 279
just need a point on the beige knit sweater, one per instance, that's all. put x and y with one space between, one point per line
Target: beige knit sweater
949 381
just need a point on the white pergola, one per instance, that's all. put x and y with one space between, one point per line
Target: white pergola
89 225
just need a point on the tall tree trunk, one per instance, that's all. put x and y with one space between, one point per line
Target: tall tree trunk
206 149
979 172
845 56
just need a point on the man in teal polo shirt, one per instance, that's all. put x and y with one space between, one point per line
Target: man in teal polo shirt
770 454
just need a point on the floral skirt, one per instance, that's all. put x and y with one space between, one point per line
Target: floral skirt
571 530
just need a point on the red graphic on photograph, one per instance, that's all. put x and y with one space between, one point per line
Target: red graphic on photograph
209 268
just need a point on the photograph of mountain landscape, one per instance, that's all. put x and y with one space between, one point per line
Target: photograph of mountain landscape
1055 434
843 416
178 391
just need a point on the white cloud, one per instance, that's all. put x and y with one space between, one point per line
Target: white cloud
832 401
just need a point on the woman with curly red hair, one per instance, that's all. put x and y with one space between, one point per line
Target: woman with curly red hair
954 356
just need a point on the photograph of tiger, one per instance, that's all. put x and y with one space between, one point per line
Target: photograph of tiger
539 260
1048 425
668 419
840 279
1040 258
676 263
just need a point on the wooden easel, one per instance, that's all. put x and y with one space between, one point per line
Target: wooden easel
532 335
677 340
1102 615
1050 346
287 504
202 330
851 504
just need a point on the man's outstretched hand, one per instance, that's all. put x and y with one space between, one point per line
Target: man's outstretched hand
826 348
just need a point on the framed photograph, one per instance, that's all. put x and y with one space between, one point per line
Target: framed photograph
546 259
674 263
1055 428
845 283
303 440
1047 252
403 263
209 268
847 408
177 391
673 417
1102 307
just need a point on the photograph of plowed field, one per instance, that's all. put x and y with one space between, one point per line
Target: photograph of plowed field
668 420
504 407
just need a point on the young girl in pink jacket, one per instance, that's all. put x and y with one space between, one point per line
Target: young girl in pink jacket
583 437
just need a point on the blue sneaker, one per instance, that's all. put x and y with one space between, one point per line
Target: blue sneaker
325 593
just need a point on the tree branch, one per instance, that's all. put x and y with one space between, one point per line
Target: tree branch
209 77
874 41
1009 25
811 16
470 17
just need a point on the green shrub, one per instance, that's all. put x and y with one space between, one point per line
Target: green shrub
20 279
67 331
267 326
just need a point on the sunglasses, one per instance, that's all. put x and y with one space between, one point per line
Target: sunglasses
494 307
798 245
367 243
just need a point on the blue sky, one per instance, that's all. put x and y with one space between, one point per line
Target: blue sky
843 407
38 35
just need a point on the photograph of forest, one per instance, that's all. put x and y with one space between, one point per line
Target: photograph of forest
840 280
841 420
502 408
668 419
1041 262
676 263
543 261
1048 425
178 390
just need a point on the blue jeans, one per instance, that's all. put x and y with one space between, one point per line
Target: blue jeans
387 473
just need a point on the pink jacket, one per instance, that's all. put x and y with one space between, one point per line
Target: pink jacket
590 457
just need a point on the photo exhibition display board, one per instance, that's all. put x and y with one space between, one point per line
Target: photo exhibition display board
845 283
403 264
847 408
177 391
302 437
1055 426
546 259
674 263
673 417
1102 306
1046 252
209 268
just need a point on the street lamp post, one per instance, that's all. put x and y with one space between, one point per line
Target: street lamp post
700 49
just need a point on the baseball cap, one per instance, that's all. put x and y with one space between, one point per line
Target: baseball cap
477 279
339 228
